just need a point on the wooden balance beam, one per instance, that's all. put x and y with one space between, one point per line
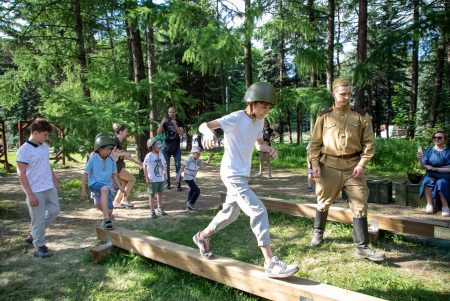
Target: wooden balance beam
237 274
395 223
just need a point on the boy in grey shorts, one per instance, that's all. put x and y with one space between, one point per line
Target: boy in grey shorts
243 132
39 183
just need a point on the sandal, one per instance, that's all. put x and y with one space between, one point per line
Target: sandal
107 224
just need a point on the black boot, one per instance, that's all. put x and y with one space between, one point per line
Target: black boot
361 239
319 228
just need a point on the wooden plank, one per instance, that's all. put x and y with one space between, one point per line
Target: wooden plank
395 223
233 273
99 253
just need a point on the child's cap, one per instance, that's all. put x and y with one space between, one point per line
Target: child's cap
196 149
154 142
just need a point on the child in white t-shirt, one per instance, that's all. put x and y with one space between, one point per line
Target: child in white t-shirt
39 183
190 168
155 175
243 132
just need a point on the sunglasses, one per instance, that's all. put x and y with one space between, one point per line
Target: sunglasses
438 137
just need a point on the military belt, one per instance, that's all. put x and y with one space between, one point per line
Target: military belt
357 154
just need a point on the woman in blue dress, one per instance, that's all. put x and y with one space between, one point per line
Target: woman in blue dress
436 181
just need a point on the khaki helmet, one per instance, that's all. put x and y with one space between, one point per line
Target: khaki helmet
102 141
101 134
154 142
261 91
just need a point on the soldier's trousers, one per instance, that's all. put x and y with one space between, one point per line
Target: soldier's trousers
331 183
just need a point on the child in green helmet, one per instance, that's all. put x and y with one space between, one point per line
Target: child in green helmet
99 172
242 133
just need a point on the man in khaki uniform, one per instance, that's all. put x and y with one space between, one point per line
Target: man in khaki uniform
342 143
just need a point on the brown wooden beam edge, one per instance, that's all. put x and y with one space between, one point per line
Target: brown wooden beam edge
99 253
233 273
395 223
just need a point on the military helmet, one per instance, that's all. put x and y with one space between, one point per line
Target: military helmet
101 134
151 142
102 141
261 91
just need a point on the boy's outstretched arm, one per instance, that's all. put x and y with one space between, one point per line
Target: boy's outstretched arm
179 174
83 186
207 129
262 146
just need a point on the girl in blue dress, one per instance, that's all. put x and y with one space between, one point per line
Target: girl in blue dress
436 181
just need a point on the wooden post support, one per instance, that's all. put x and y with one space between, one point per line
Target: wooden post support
237 274
99 253
394 223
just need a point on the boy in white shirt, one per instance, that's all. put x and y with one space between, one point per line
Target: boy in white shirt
155 175
39 183
243 132
190 168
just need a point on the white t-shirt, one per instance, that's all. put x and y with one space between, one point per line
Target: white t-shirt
191 168
39 172
241 133
155 164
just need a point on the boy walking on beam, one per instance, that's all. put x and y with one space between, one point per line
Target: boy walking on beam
243 132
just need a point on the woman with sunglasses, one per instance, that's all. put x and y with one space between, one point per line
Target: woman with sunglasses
436 181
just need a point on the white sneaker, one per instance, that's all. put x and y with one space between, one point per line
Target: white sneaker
429 209
280 269
126 203
445 211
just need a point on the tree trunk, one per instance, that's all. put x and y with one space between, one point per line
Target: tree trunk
338 41
111 44
438 78
388 106
81 53
248 46
414 71
447 38
298 118
312 41
138 75
330 43
281 50
361 50
222 72
151 69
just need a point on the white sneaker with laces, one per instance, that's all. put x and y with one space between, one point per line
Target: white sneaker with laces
280 269
126 203
160 211
445 211
429 208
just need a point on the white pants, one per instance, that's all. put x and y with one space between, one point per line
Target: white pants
240 196
43 214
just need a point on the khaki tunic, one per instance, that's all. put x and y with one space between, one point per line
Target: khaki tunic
342 139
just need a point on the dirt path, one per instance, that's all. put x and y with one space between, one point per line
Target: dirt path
75 224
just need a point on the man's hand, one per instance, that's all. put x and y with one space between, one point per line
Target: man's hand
58 188
33 200
358 171
174 122
316 172
164 120
148 180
